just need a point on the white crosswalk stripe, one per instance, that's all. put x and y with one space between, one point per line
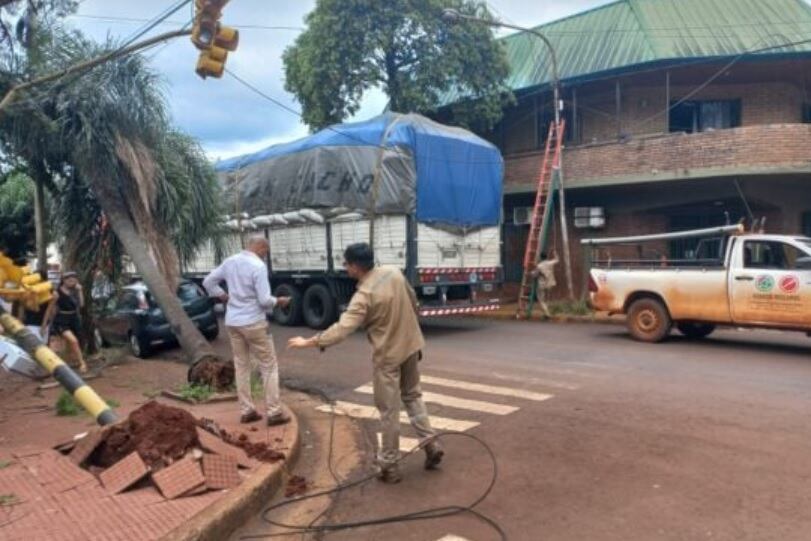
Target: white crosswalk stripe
359 411
451 537
489 389
455 402
406 444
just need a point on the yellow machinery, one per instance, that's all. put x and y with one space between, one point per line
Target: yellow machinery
18 283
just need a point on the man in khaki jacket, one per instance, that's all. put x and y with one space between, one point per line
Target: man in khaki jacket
385 305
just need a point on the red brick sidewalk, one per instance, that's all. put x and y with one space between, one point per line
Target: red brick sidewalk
44 496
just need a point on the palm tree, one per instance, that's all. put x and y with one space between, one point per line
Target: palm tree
107 128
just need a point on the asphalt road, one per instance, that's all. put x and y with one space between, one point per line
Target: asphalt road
675 441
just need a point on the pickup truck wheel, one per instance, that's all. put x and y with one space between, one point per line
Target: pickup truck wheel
290 316
319 307
696 330
649 320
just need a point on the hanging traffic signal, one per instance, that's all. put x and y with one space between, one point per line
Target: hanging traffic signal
212 38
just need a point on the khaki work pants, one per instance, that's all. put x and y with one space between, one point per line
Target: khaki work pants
255 342
393 384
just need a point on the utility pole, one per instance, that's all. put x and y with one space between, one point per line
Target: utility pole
453 16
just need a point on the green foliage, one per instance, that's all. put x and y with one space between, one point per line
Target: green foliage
66 405
195 392
5 464
8 499
17 215
257 389
406 49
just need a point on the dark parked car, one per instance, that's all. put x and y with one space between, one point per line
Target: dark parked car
133 317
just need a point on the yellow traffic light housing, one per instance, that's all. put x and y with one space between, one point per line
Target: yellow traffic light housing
227 38
212 38
211 62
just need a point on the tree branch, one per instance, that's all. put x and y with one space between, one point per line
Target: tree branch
88 64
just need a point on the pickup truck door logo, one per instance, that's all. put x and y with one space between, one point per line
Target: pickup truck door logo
790 284
764 283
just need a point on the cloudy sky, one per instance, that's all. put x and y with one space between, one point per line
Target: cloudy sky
228 118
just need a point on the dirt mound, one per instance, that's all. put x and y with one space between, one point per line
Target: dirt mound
259 451
218 375
161 434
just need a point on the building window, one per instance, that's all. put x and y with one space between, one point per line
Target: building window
701 116
807 224
807 113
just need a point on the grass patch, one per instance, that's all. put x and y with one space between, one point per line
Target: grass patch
151 394
8 499
256 385
66 405
196 393
5 464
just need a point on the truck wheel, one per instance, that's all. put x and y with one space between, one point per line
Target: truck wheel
319 307
649 320
290 316
696 330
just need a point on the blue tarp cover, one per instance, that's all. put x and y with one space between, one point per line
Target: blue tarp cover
458 174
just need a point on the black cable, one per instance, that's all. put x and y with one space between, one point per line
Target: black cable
168 12
424 514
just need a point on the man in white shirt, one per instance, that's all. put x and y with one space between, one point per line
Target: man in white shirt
249 299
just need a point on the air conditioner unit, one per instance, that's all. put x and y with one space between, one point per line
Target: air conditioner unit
589 217
522 215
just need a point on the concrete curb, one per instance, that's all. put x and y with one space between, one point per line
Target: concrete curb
607 320
219 520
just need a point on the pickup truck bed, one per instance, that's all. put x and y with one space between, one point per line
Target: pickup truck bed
762 281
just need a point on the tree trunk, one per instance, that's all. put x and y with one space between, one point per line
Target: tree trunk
40 222
194 345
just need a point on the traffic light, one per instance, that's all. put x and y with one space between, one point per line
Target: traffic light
213 39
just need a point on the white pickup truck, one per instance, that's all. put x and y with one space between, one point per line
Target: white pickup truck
755 280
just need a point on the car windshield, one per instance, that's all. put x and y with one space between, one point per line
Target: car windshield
188 292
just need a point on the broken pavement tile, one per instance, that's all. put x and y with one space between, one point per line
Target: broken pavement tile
179 478
124 473
221 472
85 446
213 444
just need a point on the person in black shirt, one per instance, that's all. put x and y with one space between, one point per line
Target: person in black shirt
63 316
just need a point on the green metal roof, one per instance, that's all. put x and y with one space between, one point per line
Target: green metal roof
627 33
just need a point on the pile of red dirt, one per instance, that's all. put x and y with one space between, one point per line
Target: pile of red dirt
259 451
161 434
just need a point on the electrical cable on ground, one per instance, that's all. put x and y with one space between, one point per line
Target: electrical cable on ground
424 514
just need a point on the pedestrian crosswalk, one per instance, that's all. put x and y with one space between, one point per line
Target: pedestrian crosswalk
454 402
481 406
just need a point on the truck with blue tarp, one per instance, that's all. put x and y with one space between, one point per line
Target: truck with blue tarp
433 193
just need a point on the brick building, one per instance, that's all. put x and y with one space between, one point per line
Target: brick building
680 114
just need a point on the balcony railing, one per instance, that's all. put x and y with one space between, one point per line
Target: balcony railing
762 149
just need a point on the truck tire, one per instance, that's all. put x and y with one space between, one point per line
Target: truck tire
649 320
290 316
319 307
696 330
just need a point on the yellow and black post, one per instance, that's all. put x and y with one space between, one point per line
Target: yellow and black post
70 380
